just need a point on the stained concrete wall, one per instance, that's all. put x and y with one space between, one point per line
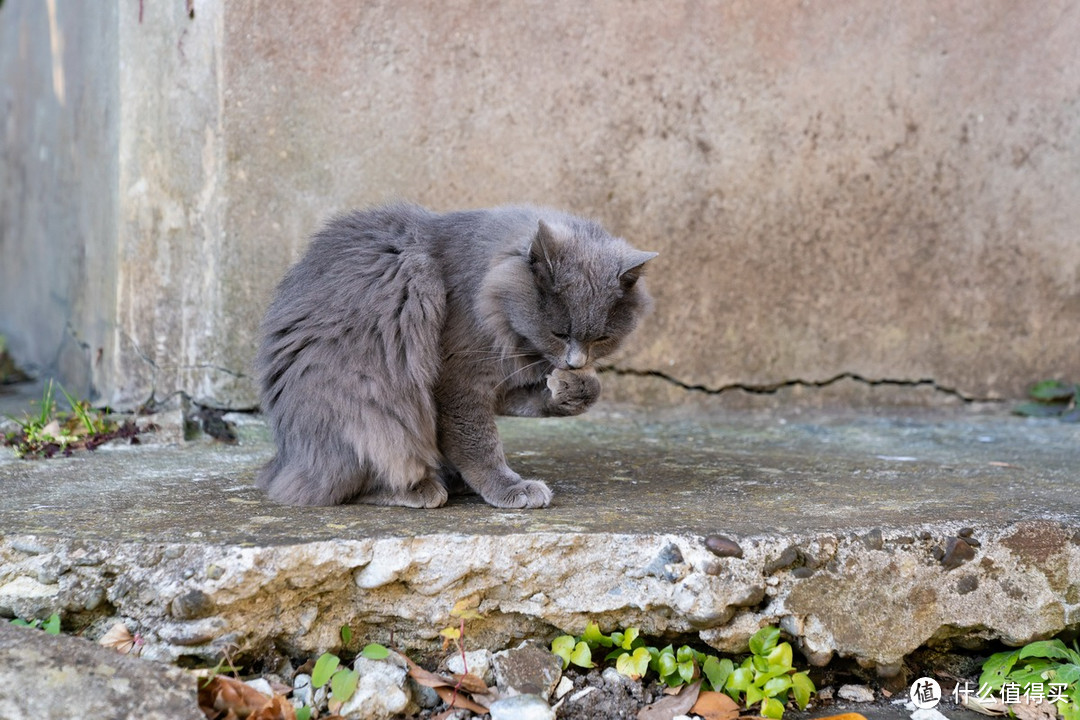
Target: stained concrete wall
883 190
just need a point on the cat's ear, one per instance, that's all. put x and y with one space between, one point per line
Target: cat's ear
541 252
632 265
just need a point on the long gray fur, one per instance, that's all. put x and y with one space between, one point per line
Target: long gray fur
393 343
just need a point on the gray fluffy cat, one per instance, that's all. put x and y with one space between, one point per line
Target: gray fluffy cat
394 342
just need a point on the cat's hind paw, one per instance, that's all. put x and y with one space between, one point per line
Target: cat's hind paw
522 494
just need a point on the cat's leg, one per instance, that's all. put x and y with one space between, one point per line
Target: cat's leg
567 392
469 439
403 462
427 492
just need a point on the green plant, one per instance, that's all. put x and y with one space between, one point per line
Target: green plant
766 677
1045 669
1052 398
343 680
51 431
50 625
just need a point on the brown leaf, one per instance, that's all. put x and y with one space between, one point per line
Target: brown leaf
278 709
461 701
715 706
120 639
668 707
470 683
428 678
844 716
223 694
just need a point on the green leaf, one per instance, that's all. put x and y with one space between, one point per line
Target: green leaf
633 665
772 708
563 646
685 654
375 651
667 664
686 671
1052 390
802 687
740 680
781 656
754 696
1052 649
717 671
343 684
582 655
52 625
996 669
303 713
324 668
594 637
1068 673
629 637
776 685
346 634
764 640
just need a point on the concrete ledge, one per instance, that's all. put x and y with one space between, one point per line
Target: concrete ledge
849 527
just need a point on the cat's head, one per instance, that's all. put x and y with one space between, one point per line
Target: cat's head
579 293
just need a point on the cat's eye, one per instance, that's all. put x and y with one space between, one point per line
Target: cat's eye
602 339
561 336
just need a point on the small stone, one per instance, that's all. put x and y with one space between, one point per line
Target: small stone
581 693
527 669
381 692
856 693
971 541
521 707
966 532
966 584
873 540
478 662
302 688
925 535
191 605
262 685
785 559
904 540
722 546
936 552
801 573
957 552
565 685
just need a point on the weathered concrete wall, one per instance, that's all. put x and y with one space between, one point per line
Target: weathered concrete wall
58 170
849 188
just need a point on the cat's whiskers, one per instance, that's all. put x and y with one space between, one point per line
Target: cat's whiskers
519 370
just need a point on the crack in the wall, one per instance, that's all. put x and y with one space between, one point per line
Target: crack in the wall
772 388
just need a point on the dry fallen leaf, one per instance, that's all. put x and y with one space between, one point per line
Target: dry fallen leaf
459 701
715 706
844 716
470 683
668 707
120 639
222 694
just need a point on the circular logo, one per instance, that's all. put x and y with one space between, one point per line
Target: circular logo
925 693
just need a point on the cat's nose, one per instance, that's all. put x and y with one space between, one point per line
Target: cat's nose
576 357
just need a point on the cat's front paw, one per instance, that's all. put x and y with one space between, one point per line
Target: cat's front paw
572 391
522 494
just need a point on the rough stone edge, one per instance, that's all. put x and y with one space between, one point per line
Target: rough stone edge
874 596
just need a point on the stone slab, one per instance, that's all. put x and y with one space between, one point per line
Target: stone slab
49 677
841 516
